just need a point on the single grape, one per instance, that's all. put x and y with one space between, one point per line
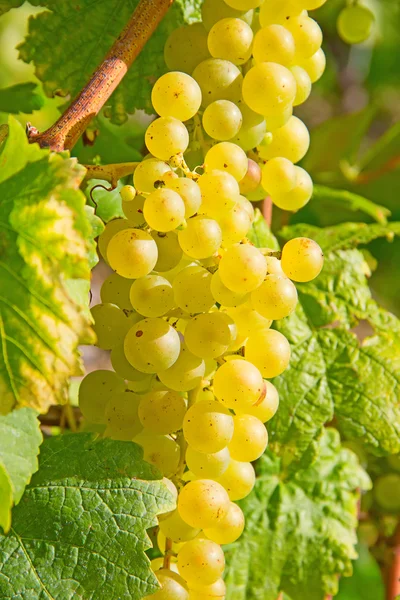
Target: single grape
115 290
173 587
266 408
152 296
231 39
176 94
368 534
235 225
242 268
165 137
276 122
207 466
201 561
219 80
230 528
252 179
110 325
269 88
208 427
175 528
151 174
132 253
203 503
302 259
186 47
244 4
250 438
192 290
222 120
95 391
213 11
128 193
219 191
214 591
387 492
161 451
227 157
210 335
303 84
290 141
224 295
138 382
276 298
355 23
201 238
252 131
315 65
122 416
164 210
134 211
110 230
278 12
299 195
247 205
169 250
185 374
274 265
278 176
162 412
309 4
238 384
307 36
190 193
152 345
269 351
238 479
247 320
274 43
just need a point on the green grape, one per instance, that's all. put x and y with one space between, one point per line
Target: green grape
201 561
230 528
274 43
244 4
269 351
387 492
208 427
238 383
132 253
219 80
299 196
210 335
186 374
265 409
152 296
115 290
169 251
235 225
122 416
162 412
250 439
173 587
207 466
269 88
227 157
222 120
278 176
152 345
138 382
128 193
213 11
307 36
302 259
110 325
186 47
274 265
95 391
202 237
214 591
134 211
190 193
110 230
175 528
224 295
276 298
247 320
367 533
355 24
315 65
203 503
238 480
152 173
219 191
176 95
251 180
394 462
192 290
161 451
252 131
231 39
165 137
303 84
242 268
290 141
278 11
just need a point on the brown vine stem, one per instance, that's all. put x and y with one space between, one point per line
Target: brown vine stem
267 211
64 134
110 173
393 572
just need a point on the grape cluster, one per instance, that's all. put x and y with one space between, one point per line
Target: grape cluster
187 311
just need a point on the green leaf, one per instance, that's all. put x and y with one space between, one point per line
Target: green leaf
366 582
260 233
108 203
67 69
80 529
6 5
21 97
97 227
351 201
20 438
300 527
45 241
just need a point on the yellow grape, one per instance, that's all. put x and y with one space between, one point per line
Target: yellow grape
252 130
208 426
185 374
209 335
278 11
173 587
276 122
302 259
227 157
299 195
165 137
176 94
235 225
242 268
201 238
115 290
276 298
250 438
315 65
134 211
128 193
252 179
269 88
110 325
95 390
222 120
122 416
307 36
132 253
290 141
266 409
207 466
238 383
151 173
138 382
161 451
111 228
219 191
274 266
157 564
231 39
203 503
355 23
269 351
190 193
219 80
238 479
213 11
201 561
278 176
186 47
274 43
303 84
309 4
244 4
214 591
248 320
161 543
164 210
169 251
152 296
192 290
230 528
162 411
224 295
152 345
175 528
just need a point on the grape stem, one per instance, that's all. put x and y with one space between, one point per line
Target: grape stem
167 555
64 134
110 173
267 211
393 571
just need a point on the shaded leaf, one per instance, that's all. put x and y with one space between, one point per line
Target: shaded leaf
21 97
6 5
351 201
260 233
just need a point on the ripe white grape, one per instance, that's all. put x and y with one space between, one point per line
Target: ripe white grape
95 391
111 228
266 409
186 47
303 84
173 587
213 11
244 4
222 120
269 88
162 411
169 251
250 438
152 345
238 384
110 325
252 131
176 94
248 320
138 381
278 176
231 39
252 179
214 591
185 374
122 416
276 298
235 225
274 43
230 528
164 210
208 427
307 36
202 237
152 296
201 561
207 466
219 191
210 335
151 173
278 12
219 80
132 253
161 451
299 195
203 503
290 141
175 528
315 65
302 259
269 351
192 290
190 193
227 157
242 268
128 193
238 479
224 295
165 137
134 211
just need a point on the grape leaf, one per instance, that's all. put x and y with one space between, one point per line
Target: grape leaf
20 438
6 5
21 97
300 527
44 244
80 528
68 67
350 201
260 233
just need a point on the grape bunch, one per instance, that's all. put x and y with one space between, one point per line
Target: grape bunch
188 308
